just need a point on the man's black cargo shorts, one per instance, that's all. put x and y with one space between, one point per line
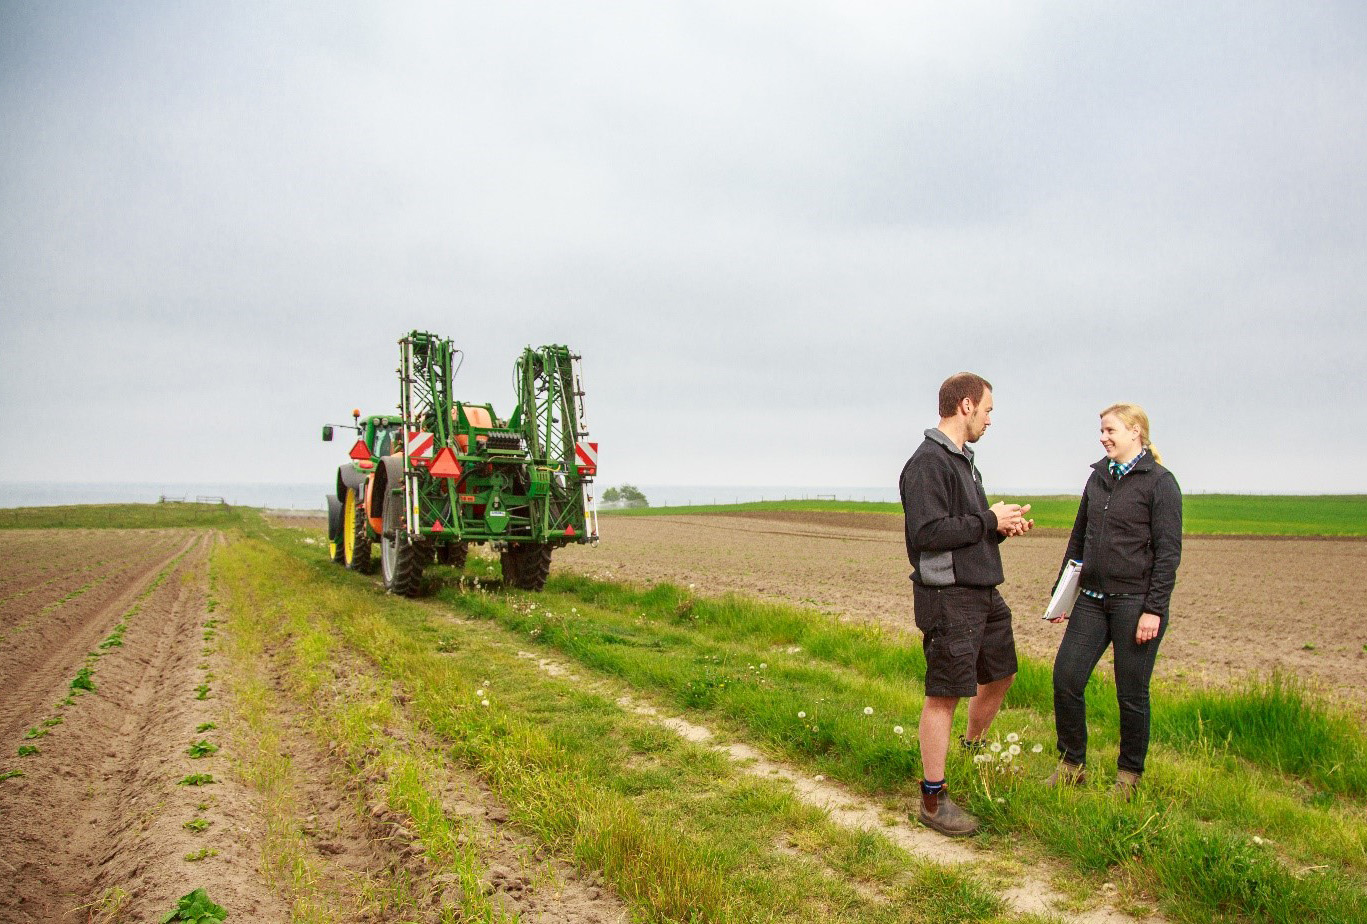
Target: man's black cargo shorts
966 636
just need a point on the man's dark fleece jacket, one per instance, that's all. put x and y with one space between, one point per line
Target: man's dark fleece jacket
952 536
1128 533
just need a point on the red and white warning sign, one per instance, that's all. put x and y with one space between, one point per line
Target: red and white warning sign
418 445
587 462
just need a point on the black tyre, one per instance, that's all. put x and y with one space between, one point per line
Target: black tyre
401 559
527 566
335 530
355 540
453 554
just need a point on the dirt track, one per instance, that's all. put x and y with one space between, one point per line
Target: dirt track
1242 606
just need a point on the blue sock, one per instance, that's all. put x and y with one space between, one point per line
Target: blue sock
932 789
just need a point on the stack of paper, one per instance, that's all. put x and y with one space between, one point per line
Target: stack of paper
1065 592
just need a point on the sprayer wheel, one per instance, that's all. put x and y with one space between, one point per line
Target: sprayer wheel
526 566
453 554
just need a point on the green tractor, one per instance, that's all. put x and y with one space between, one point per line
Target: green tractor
442 474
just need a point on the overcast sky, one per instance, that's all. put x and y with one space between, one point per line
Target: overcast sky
771 229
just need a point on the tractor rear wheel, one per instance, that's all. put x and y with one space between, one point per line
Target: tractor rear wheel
355 541
526 566
401 559
453 554
335 529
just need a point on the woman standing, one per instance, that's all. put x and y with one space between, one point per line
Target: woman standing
1128 536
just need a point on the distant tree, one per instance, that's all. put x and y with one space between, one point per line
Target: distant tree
612 496
632 496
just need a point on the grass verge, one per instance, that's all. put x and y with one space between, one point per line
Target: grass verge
1219 830
679 832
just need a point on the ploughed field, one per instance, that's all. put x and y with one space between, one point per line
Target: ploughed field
1244 605
218 706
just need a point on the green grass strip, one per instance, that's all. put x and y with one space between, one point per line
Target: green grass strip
730 658
1328 749
679 832
1203 514
123 516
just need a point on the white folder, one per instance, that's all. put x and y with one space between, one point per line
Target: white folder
1066 591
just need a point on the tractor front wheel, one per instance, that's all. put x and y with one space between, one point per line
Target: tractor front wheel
526 567
401 559
355 541
335 530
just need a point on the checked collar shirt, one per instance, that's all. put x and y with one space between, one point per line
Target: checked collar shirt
1118 470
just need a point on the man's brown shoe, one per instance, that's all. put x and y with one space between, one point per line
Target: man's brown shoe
940 812
1067 774
1126 782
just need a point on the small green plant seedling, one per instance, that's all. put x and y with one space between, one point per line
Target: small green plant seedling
82 681
197 908
205 726
202 691
195 856
33 733
27 750
1308 646
196 779
197 825
55 720
9 774
201 748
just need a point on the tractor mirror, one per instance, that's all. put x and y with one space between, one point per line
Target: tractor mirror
327 433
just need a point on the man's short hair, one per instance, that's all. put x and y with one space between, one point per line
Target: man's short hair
961 386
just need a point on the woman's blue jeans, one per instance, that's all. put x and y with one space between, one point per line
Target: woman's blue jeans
1093 625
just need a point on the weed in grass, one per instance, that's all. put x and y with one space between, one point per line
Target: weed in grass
202 853
205 726
27 750
201 748
82 681
33 733
196 779
55 720
196 908
9 774
197 825
202 691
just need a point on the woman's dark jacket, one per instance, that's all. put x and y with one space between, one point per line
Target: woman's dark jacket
1128 533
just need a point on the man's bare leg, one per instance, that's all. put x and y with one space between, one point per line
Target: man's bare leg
983 708
937 718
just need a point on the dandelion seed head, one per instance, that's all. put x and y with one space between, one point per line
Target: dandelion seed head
1001 801
1008 757
484 702
868 710
1013 737
897 729
479 693
995 746
1036 749
1014 749
763 666
802 715
819 778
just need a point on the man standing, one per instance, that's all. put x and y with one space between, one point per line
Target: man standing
952 538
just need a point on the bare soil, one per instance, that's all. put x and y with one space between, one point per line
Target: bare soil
1244 606
93 829
99 807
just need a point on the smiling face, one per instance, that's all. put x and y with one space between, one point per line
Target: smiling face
980 418
1121 443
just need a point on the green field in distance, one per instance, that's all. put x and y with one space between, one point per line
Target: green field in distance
1204 514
